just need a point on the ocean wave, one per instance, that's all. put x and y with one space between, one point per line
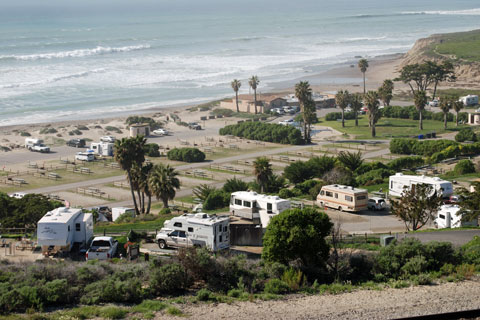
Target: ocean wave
80 53
467 12
51 80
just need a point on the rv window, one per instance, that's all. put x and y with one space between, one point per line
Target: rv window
225 229
441 216
269 207
190 229
361 197
68 228
391 184
329 194
220 239
336 195
238 202
246 204
322 193
182 234
77 227
348 198
177 224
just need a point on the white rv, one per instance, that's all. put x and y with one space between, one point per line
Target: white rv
470 100
117 212
102 148
257 207
195 229
30 142
399 182
84 156
447 217
63 227
343 198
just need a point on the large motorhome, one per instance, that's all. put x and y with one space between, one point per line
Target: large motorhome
63 227
400 182
343 198
257 207
198 229
448 217
470 100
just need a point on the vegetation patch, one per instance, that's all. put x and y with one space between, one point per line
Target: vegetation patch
267 132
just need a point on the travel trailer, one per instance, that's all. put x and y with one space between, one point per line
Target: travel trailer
447 217
399 182
470 100
102 148
117 212
195 229
257 207
63 227
343 198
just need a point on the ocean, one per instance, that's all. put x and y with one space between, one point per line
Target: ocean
67 60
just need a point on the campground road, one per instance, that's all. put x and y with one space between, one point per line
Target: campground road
456 237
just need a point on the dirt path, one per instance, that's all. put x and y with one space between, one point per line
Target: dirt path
365 304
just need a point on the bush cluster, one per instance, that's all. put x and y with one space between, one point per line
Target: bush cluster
464 166
267 132
411 112
186 155
465 134
315 167
334 116
139 119
152 150
222 112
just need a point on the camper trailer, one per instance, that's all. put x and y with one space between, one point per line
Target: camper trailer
257 207
102 148
470 100
195 229
117 212
399 182
63 227
447 217
343 198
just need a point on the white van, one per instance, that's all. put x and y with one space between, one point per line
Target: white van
85 156
343 198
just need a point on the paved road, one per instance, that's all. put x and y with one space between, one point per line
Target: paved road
456 237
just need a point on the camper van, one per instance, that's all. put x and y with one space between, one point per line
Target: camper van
84 156
195 229
399 182
102 148
470 100
257 207
447 218
343 198
63 227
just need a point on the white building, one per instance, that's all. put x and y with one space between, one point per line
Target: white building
400 182
63 227
258 207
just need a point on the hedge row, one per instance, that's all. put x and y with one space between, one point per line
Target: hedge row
333 116
186 155
267 132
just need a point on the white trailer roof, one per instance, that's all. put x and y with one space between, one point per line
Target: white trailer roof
251 195
343 188
200 218
60 215
421 179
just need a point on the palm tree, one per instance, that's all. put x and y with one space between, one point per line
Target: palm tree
144 187
445 106
385 92
457 106
303 92
342 99
130 152
163 182
350 160
236 84
363 65
371 100
356 104
420 100
253 82
262 169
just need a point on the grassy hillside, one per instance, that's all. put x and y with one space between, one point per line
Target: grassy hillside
462 45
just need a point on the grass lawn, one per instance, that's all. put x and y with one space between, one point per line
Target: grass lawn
463 45
376 187
390 128
152 225
465 177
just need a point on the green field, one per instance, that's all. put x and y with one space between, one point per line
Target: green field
151 225
462 45
389 128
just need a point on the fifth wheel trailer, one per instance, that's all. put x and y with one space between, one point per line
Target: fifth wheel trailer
400 182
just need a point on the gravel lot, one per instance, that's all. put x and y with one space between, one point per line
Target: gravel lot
365 304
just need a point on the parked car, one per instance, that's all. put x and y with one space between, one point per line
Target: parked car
18 195
287 122
77 143
102 248
194 126
277 111
433 103
108 139
40 148
161 132
376 203
84 156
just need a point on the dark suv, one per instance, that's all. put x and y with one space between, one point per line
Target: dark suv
77 143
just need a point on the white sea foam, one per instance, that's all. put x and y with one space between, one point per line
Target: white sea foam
468 12
75 53
52 79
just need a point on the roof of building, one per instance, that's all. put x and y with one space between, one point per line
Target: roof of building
60 215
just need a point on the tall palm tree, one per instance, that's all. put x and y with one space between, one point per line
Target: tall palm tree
303 92
457 106
262 169
144 187
371 100
363 65
342 99
356 104
130 152
236 84
253 82
385 92
163 182
350 160
445 106
420 100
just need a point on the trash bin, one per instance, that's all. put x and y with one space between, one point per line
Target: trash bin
421 136
385 240
434 134
428 135
146 255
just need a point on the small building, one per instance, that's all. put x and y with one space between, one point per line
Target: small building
321 100
138 129
246 103
473 118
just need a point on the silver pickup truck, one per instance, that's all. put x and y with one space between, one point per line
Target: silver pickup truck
102 248
40 148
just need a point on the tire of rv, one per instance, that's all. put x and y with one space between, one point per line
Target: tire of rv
340 208
162 244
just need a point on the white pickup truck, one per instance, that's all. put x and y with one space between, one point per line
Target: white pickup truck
102 248
40 148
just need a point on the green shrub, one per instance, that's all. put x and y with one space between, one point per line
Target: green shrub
406 163
174 311
82 127
447 269
298 172
234 185
113 313
294 279
333 116
48 130
369 166
139 119
321 165
165 211
216 200
373 177
422 279
152 150
186 155
276 286
400 284
285 193
25 134
222 112
464 166
149 306
465 134
414 265
264 132
205 295
168 279
471 251
75 132
113 129
315 190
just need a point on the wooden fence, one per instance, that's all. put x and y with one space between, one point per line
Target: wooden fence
94 192
229 168
199 174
